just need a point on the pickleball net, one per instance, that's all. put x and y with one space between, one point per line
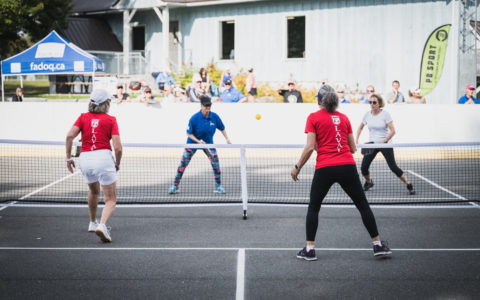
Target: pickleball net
36 172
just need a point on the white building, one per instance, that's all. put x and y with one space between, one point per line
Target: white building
355 42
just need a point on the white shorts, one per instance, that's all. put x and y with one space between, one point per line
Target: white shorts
98 166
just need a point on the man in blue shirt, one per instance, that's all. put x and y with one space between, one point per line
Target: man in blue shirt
201 129
164 78
468 97
231 94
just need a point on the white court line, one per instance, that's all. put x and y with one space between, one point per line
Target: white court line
173 205
240 295
49 185
440 187
232 249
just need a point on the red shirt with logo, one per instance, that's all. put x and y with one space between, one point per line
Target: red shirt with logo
331 131
97 131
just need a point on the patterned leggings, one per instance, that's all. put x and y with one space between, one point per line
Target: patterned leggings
187 156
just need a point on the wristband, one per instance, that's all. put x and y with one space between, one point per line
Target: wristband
68 159
296 167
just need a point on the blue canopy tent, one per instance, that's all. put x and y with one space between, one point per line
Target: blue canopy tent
52 55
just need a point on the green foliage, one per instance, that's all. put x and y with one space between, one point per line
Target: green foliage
184 76
25 22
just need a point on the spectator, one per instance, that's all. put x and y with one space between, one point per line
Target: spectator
167 94
18 97
205 86
415 97
120 96
164 78
214 89
227 75
231 94
251 86
291 95
147 97
180 95
194 92
341 96
366 98
205 78
468 97
395 96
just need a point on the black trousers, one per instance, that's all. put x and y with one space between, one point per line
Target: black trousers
389 157
347 177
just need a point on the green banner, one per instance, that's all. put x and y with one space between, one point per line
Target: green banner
433 59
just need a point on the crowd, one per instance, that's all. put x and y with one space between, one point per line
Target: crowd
226 91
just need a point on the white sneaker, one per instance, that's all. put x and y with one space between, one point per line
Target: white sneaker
104 233
92 226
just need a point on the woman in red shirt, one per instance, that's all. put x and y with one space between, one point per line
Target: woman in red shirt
331 132
96 161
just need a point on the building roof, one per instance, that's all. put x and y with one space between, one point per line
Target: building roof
86 6
92 34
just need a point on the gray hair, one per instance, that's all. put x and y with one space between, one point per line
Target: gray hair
99 109
327 97
330 102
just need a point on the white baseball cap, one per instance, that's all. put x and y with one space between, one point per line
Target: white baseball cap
99 96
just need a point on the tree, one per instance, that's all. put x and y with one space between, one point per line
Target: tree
24 22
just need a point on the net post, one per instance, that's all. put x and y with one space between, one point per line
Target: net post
243 172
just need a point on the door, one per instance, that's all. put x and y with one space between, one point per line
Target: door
174 45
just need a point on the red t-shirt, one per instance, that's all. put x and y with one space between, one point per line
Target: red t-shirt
97 131
331 131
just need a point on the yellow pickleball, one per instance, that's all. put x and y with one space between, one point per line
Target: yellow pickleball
258 117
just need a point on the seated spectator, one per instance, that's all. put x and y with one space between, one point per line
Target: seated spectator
366 98
18 97
227 75
147 97
291 95
395 96
205 78
231 94
468 97
180 95
341 96
194 92
120 96
168 96
164 78
214 89
206 89
415 97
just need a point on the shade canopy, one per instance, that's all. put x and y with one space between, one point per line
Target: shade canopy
52 55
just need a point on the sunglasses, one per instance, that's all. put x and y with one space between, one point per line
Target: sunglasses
370 91
340 92
373 102
148 92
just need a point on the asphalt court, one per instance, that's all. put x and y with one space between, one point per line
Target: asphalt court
209 252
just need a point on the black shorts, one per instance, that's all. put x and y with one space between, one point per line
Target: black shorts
253 91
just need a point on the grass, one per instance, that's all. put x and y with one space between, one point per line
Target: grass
38 89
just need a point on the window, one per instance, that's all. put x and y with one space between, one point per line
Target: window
228 40
138 38
295 37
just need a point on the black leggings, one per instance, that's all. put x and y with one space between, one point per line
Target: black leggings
347 177
389 157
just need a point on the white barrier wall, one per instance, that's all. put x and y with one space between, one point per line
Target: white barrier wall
279 124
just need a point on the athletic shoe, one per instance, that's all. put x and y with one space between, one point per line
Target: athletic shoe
92 226
381 250
219 189
411 190
310 255
104 233
367 185
173 190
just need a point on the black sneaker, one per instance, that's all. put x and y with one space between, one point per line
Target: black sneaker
310 255
381 250
367 185
411 190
